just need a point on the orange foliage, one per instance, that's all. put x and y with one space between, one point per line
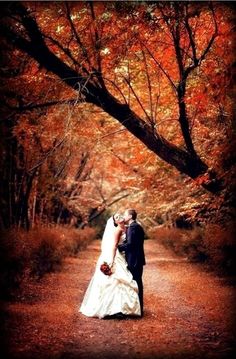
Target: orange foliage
134 47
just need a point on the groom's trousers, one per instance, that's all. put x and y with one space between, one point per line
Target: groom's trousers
137 276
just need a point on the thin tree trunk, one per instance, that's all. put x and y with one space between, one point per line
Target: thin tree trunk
34 204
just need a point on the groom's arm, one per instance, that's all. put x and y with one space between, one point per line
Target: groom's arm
130 241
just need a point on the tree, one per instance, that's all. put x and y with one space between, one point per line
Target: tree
74 53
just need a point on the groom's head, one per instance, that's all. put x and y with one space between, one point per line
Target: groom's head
130 215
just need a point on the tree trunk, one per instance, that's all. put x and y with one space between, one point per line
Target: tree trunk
24 220
8 170
33 217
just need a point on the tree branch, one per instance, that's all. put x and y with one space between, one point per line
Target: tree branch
48 154
137 98
191 39
159 65
83 48
67 52
149 88
97 44
97 214
22 108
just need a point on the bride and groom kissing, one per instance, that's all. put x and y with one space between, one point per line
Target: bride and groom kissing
116 288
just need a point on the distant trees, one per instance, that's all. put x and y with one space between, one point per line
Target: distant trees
51 169
34 169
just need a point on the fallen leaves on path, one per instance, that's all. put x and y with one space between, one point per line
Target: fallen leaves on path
188 313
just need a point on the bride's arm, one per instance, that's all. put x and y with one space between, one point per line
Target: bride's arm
117 235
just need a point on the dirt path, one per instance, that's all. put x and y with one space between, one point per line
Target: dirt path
187 314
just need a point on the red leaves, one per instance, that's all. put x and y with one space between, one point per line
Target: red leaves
204 179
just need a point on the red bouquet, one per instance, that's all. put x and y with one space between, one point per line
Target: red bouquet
105 268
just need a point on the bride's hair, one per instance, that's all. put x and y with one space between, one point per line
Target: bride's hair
117 218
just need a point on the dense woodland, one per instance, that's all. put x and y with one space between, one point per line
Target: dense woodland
113 104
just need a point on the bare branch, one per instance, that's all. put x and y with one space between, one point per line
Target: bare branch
97 44
83 162
137 98
48 154
116 87
112 133
149 87
67 52
62 165
191 40
83 48
197 61
159 65
97 214
22 108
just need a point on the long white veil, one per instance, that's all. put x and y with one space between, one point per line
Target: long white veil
107 245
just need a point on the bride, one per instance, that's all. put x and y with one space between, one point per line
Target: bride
117 292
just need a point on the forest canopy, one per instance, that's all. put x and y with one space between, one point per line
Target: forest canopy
109 102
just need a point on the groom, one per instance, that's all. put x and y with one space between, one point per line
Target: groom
134 251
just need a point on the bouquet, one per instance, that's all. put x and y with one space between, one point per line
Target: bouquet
105 268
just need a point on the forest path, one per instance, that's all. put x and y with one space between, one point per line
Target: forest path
187 314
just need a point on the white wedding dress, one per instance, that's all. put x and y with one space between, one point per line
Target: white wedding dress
108 295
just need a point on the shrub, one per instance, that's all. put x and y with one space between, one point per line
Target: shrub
37 252
221 247
183 242
47 251
54 244
76 240
214 245
14 259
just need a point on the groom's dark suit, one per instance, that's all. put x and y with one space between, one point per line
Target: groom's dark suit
134 253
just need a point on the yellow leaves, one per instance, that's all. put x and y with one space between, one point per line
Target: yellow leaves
59 29
105 51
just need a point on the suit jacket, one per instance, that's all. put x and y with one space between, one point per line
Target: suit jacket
133 246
